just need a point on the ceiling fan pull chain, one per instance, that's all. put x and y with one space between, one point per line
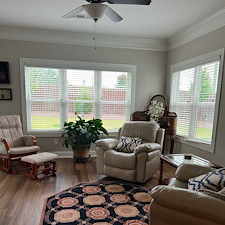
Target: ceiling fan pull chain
94 32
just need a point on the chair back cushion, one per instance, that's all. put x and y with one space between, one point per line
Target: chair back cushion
11 130
145 130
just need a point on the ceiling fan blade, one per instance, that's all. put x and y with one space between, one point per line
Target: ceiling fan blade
113 15
74 12
132 2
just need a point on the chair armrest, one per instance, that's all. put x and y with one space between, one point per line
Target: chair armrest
147 147
190 202
106 144
187 170
29 140
4 147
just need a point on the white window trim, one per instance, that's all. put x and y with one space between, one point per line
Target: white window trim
70 65
193 63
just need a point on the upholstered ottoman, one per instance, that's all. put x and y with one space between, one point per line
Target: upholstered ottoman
40 166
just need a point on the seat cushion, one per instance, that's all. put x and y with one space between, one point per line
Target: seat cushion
40 158
128 144
214 180
120 160
23 149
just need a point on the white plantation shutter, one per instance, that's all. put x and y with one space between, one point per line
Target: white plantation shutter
194 97
53 95
42 98
80 93
115 97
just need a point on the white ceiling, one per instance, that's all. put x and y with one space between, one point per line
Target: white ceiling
162 19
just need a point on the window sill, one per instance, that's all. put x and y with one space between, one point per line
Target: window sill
196 144
56 134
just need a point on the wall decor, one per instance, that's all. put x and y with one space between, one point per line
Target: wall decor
5 94
4 73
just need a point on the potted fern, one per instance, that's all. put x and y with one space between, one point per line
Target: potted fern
80 134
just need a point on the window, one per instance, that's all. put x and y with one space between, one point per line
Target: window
194 96
54 90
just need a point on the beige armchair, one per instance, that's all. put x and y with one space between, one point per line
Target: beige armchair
175 204
139 165
13 144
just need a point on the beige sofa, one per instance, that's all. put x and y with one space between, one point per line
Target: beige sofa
176 205
139 165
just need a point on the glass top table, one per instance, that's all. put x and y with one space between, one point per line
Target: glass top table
176 159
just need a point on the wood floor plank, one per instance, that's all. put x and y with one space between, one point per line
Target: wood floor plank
22 199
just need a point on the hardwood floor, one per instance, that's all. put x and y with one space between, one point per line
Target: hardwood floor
22 199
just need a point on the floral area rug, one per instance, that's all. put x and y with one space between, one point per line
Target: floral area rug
99 204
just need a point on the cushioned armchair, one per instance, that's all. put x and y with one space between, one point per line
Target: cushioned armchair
175 204
13 144
137 164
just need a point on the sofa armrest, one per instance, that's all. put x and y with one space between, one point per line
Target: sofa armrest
187 170
29 140
147 147
4 147
190 202
106 144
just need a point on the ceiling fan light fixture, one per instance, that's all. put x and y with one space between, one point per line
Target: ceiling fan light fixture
95 10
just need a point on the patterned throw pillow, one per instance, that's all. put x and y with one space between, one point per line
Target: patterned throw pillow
214 180
128 144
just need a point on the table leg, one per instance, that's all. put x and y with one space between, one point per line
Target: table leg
161 171
172 138
164 142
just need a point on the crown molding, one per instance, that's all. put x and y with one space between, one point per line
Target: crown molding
199 29
82 39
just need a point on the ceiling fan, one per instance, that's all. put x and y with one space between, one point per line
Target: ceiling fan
96 9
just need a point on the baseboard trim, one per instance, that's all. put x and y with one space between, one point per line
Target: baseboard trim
69 154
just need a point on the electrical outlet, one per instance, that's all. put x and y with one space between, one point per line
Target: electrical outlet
56 141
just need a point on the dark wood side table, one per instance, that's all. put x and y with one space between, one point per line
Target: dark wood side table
169 123
176 159
139 116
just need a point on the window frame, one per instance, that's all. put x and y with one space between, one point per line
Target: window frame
194 62
63 64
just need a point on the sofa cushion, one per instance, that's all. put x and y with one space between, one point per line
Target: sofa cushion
214 180
222 191
183 203
219 195
128 144
186 171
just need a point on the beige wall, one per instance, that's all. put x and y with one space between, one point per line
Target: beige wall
202 45
150 76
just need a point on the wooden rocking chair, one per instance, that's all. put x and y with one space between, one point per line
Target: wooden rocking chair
13 144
